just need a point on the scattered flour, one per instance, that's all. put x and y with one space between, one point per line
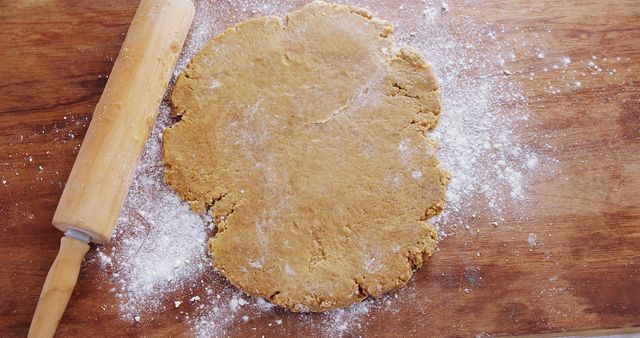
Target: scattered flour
105 260
159 243
483 110
158 256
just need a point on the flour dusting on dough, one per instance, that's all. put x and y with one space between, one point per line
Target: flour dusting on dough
310 90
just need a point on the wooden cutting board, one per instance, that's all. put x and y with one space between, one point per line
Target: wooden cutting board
54 56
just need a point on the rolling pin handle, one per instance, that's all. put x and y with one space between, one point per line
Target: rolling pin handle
59 285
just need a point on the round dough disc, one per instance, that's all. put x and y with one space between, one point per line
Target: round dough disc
307 142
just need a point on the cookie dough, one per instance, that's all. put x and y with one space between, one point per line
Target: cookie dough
307 142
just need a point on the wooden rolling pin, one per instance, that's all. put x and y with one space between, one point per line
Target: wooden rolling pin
102 173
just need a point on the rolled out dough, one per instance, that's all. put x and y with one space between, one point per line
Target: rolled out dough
307 141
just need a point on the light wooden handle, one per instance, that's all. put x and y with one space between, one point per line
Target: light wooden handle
58 287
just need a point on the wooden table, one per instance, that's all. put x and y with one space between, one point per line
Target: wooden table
55 54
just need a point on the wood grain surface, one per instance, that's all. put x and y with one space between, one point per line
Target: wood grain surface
54 58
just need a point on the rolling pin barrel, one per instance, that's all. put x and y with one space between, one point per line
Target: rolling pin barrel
104 168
